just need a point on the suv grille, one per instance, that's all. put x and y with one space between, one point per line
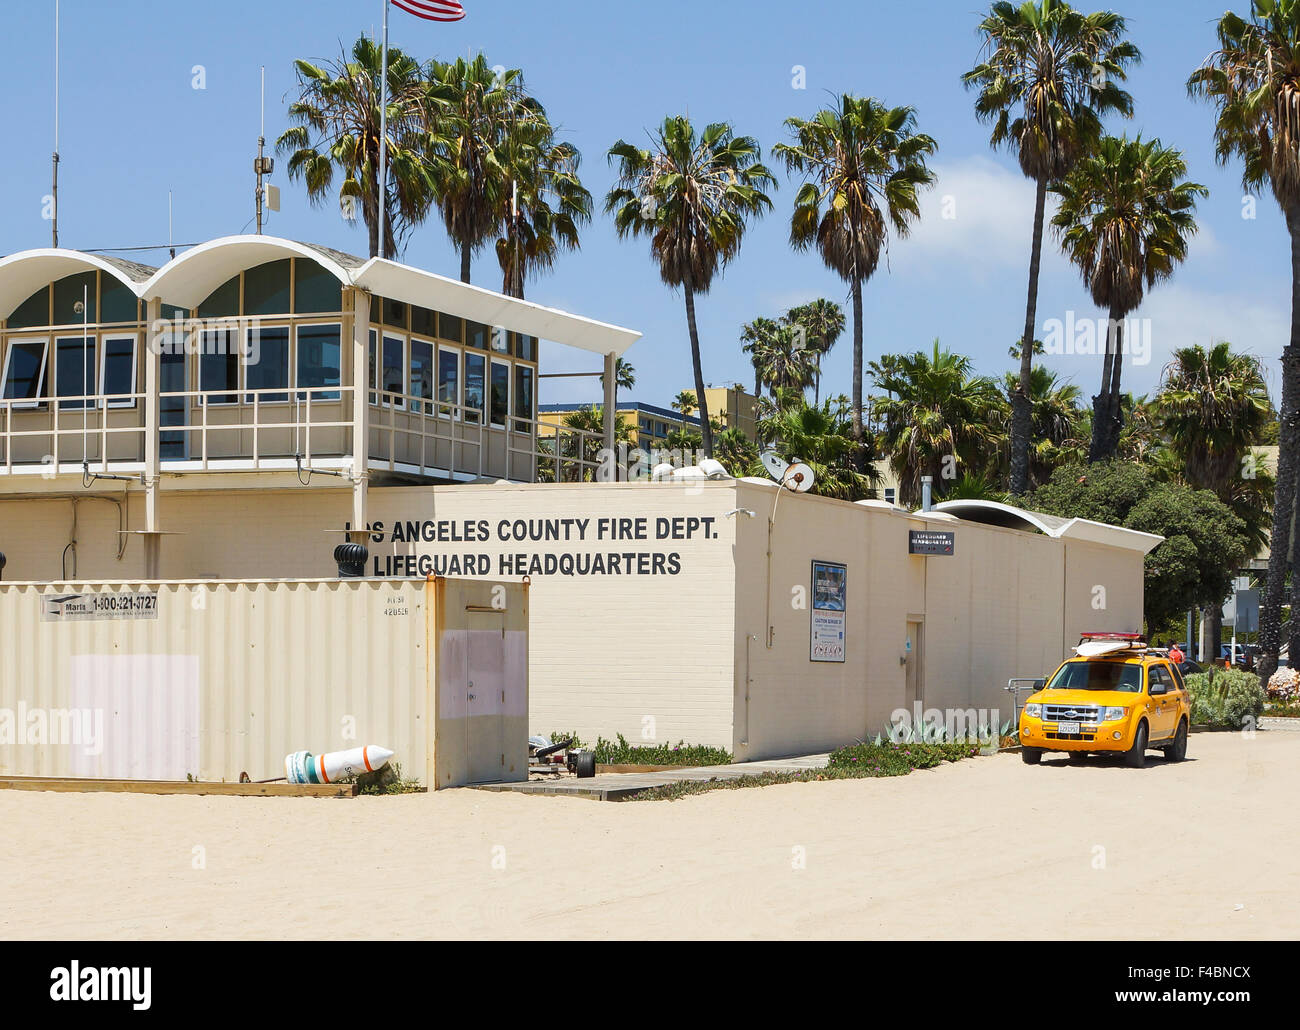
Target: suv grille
1071 713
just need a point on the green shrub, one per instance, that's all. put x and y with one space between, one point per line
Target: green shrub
1227 700
620 752
576 744
889 759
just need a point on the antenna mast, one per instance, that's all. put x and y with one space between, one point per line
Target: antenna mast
263 165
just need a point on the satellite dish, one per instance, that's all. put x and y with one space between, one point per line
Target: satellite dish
798 477
775 464
793 475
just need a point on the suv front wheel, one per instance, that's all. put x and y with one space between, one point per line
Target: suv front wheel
1031 755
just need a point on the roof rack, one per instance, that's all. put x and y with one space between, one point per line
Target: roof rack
1096 644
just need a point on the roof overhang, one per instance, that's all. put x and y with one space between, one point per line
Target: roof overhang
1058 528
426 289
24 273
190 277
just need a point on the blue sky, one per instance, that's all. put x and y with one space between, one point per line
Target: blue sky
133 127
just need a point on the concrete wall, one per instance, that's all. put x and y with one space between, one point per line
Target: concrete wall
677 648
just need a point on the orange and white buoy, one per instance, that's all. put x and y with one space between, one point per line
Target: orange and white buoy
304 767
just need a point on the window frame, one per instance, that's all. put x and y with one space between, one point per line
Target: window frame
425 405
42 379
505 422
77 401
201 353
449 408
321 398
399 404
105 340
481 413
289 366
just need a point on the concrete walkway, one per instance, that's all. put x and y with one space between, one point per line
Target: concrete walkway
616 786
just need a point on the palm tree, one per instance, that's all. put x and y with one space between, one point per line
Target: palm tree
1049 72
624 378
1125 218
546 203
692 195
584 443
864 164
1055 420
1213 407
470 168
821 437
337 131
736 451
938 419
755 336
685 403
1253 79
822 322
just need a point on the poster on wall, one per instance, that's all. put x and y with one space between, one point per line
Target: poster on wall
830 582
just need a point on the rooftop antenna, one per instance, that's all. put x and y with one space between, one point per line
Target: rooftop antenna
54 192
171 247
264 166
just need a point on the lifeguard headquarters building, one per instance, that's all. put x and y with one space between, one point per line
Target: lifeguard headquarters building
235 414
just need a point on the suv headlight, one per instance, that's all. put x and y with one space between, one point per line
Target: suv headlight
1034 711
1113 714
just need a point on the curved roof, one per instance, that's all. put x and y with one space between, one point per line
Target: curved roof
192 276
996 513
24 273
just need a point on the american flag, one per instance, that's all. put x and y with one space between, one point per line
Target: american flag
432 10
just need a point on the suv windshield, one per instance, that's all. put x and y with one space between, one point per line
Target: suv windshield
1094 675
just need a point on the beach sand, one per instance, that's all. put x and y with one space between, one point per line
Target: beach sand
987 848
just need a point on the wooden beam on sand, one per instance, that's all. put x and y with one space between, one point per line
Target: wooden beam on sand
86 784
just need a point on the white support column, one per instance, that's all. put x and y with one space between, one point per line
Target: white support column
611 418
360 322
152 358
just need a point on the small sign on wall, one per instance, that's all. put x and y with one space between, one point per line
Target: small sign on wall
827 626
929 541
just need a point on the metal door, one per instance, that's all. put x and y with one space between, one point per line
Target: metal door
485 679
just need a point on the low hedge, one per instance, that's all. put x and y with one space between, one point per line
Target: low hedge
890 759
1225 699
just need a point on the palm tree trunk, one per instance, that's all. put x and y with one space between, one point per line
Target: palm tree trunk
817 387
464 262
1101 402
1113 414
1020 404
701 402
1213 630
1270 608
859 453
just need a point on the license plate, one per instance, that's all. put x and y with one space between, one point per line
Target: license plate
1068 727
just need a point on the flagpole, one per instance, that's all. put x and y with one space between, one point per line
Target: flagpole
54 190
383 134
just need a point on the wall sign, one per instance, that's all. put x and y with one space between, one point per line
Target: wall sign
125 604
830 582
929 541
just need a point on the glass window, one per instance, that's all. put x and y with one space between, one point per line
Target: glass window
500 406
474 372
319 350
421 373
117 372
450 327
890 494
68 294
120 304
526 347
173 411
394 371
1083 674
372 373
219 365
75 373
35 310
315 288
448 379
500 340
523 398
424 321
221 302
267 363
477 335
25 370
394 313
266 289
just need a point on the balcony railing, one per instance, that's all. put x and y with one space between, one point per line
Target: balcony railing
282 428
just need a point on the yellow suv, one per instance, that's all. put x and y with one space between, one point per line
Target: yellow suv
1118 695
